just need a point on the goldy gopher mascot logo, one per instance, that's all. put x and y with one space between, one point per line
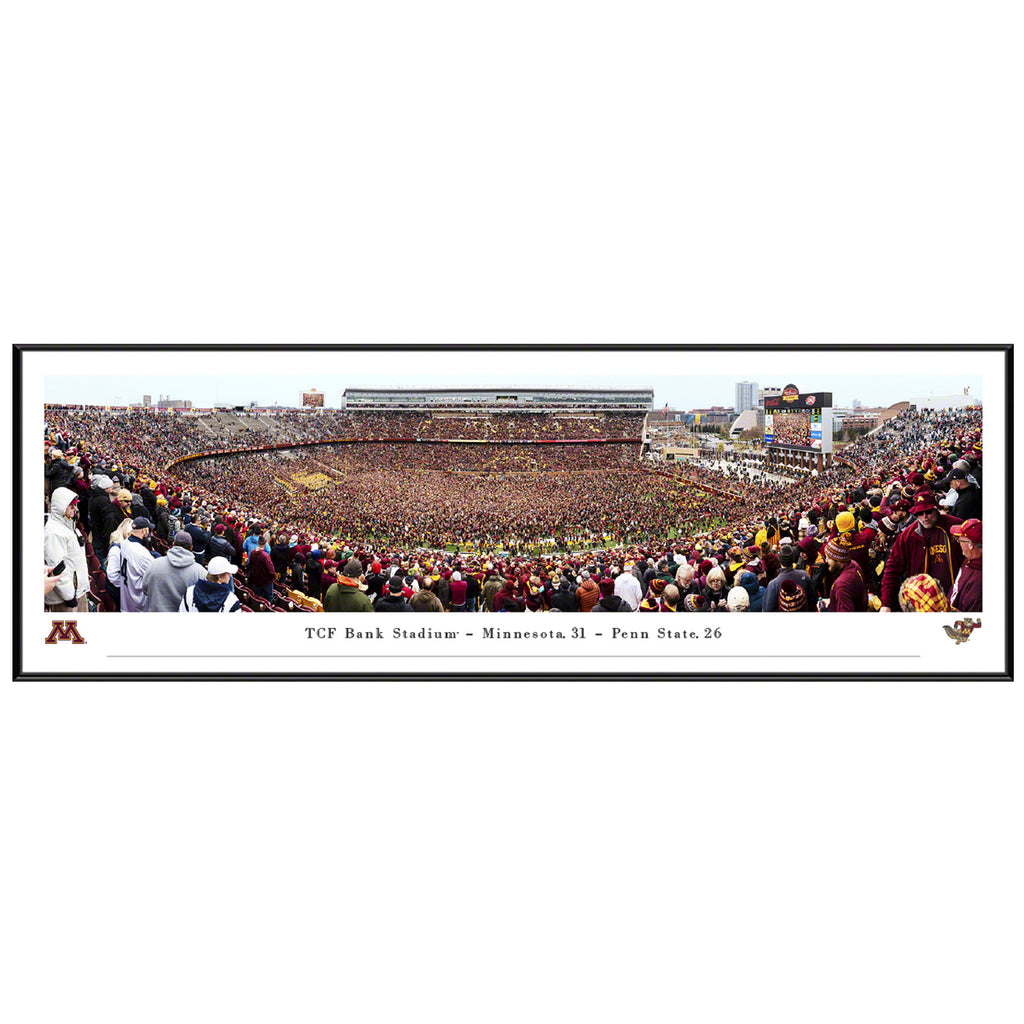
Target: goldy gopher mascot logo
962 630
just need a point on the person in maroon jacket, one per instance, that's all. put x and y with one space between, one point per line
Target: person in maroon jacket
458 591
506 595
261 571
849 593
235 539
966 593
859 542
925 546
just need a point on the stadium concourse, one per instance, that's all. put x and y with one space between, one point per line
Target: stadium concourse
490 510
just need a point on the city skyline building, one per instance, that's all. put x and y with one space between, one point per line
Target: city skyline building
746 395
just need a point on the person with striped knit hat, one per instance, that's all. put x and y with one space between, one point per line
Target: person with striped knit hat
652 602
792 597
849 592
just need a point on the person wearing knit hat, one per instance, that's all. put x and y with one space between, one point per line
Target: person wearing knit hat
457 589
889 526
393 597
790 573
849 592
610 601
792 598
856 530
755 592
836 553
845 522
652 601
693 603
922 593
588 593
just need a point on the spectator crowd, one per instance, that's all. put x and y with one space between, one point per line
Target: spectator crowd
390 522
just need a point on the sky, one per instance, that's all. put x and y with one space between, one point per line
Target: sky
678 392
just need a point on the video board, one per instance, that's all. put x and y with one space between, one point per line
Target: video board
797 420
314 398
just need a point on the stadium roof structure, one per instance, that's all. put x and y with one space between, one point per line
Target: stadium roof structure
502 398
502 390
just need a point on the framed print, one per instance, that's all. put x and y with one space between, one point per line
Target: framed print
796 510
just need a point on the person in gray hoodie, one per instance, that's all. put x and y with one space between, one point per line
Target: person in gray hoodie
168 578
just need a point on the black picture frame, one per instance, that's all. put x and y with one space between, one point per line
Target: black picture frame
20 675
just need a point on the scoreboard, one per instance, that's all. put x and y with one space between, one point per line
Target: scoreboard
314 398
801 421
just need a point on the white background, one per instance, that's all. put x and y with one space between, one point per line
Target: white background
544 851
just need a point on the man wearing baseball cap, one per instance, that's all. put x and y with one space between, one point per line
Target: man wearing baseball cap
214 594
136 559
968 496
966 593
925 546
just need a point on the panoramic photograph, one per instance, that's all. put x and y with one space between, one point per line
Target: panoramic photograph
475 493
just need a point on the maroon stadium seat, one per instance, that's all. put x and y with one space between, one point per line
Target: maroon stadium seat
98 586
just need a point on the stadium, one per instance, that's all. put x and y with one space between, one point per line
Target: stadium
504 500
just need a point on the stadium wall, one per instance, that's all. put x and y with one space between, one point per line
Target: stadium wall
257 449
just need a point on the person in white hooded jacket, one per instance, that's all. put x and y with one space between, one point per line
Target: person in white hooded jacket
64 542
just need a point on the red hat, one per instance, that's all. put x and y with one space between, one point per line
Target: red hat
925 503
607 587
970 529
375 567
809 546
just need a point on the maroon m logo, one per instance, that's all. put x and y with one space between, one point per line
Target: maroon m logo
64 631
